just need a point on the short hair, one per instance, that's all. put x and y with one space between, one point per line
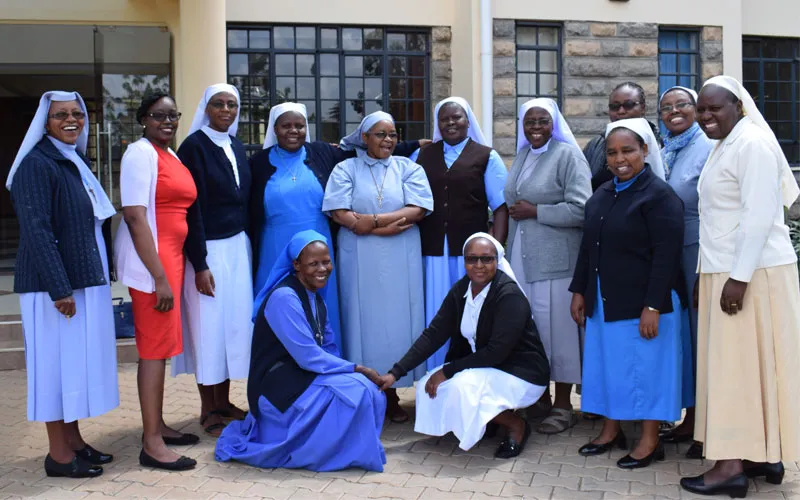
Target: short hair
635 86
639 138
147 102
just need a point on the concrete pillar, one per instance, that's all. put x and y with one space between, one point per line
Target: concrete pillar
200 53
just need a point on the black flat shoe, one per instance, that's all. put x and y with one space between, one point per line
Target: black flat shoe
734 487
93 456
183 463
592 449
695 451
77 468
184 439
509 448
772 473
628 462
675 437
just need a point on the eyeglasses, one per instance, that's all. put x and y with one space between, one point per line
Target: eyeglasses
678 105
383 135
543 122
63 115
160 116
628 105
221 104
474 259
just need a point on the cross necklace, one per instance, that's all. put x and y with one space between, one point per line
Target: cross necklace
379 189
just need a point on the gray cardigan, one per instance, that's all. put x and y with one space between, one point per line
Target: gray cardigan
559 187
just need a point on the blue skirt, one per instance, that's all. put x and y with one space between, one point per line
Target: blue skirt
441 273
627 377
335 424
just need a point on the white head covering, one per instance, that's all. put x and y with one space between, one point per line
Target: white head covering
474 131
354 140
200 116
789 189
502 263
275 112
101 205
641 127
678 87
561 130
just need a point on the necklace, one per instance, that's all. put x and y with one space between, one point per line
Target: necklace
379 189
285 155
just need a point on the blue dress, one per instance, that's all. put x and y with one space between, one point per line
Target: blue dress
335 424
442 272
292 206
383 310
627 377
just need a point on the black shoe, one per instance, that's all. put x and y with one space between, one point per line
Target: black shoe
509 448
77 468
183 440
734 487
695 451
93 456
183 463
592 449
628 462
772 473
675 437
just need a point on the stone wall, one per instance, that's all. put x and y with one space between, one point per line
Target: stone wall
441 69
595 58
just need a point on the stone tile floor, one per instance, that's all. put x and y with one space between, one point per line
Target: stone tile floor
418 467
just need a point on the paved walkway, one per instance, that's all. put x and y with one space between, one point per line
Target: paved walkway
417 468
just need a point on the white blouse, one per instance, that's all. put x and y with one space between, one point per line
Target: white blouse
472 311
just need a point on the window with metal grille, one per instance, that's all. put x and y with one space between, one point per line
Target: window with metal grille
771 70
339 73
538 61
678 60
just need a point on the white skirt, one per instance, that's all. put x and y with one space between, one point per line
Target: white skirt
218 331
467 402
71 363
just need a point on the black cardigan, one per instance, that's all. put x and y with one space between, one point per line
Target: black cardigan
220 210
57 246
506 338
632 241
321 158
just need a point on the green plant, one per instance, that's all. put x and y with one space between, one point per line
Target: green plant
794 232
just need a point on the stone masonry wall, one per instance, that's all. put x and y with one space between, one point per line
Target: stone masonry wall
441 68
595 58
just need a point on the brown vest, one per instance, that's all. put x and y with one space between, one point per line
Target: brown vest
460 207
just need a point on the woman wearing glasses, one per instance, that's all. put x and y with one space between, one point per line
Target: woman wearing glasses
686 149
627 100
495 362
218 330
547 188
378 199
61 277
156 191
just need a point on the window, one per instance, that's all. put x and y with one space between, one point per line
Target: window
771 68
678 60
538 61
339 73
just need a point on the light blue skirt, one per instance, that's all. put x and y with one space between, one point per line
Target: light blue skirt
335 424
441 273
627 377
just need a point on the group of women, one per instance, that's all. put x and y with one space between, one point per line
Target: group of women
604 248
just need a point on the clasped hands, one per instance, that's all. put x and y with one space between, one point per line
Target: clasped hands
385 382
365 224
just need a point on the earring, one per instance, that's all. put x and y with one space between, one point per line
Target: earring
144 127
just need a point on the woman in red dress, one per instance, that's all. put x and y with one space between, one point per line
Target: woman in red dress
156 189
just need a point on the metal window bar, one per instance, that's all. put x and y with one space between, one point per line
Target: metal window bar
538 48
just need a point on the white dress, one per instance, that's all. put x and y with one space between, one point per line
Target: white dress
465 403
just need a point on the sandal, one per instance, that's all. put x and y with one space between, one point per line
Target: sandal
213 430
558 421
232 412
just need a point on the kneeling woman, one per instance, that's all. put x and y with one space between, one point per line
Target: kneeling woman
496 362
309 409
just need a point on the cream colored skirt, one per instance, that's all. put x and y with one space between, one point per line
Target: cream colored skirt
748 369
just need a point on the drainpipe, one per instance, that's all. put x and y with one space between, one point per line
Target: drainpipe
487 71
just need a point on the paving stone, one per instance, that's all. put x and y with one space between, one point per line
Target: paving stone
598 474
570 483
340 486
389 478
521 478
669 491
468 485
439 483
263 491
138 490
473 473
565 494
516 490
591 484
434 494
548 469
386 490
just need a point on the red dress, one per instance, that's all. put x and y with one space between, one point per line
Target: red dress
159 335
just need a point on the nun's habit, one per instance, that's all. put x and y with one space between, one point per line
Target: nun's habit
71 362
495 361
442 271
217 331
308 409
380 277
